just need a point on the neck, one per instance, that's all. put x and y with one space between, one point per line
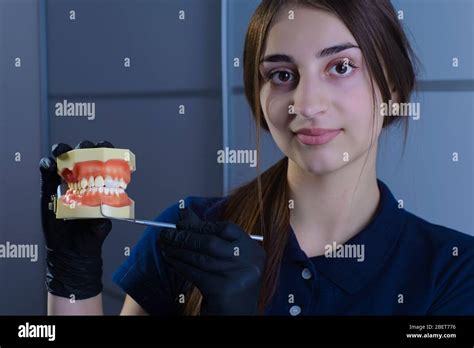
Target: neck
332 207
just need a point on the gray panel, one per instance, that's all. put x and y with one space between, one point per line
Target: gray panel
86 55
425 177
439 31
240 12
22 290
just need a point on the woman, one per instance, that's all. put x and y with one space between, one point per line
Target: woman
335 241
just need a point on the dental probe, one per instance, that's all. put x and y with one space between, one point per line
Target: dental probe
158 224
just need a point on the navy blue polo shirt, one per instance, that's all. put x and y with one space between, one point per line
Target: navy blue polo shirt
399 264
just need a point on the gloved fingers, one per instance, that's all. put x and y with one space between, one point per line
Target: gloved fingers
85 144
85 236
203 227
225 230
49 177
199 260
100 228
49 183
189 220
48 169
187 271
104 143
59 149
194 241
229 231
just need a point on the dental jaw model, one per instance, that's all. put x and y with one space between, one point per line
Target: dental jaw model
95 177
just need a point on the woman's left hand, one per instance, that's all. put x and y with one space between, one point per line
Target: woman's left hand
220 259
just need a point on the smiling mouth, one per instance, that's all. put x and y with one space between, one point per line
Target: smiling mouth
317 136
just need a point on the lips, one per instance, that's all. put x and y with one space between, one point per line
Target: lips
316 136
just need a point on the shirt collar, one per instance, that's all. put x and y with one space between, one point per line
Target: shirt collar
379 239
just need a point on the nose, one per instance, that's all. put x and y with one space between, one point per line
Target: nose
310 99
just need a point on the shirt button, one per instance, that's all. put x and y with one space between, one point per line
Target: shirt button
306 274
295 310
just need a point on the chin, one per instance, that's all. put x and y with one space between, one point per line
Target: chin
318 164
321 169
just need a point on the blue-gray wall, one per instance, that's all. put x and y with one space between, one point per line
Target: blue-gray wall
21 281
190 63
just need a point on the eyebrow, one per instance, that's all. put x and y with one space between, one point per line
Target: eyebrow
277 58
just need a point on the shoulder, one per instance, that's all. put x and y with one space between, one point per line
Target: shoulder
446 257
433 236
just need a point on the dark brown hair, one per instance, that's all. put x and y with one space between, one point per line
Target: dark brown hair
261 206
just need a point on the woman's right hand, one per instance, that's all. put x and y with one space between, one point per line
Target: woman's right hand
74 247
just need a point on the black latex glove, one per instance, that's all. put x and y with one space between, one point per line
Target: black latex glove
220 259
73 247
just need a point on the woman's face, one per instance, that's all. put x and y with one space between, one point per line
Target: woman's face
321 84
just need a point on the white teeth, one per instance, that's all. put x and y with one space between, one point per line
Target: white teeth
109 181
106 186
84 183
99 181
122 184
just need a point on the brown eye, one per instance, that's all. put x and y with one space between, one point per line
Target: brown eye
282 76
342 68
